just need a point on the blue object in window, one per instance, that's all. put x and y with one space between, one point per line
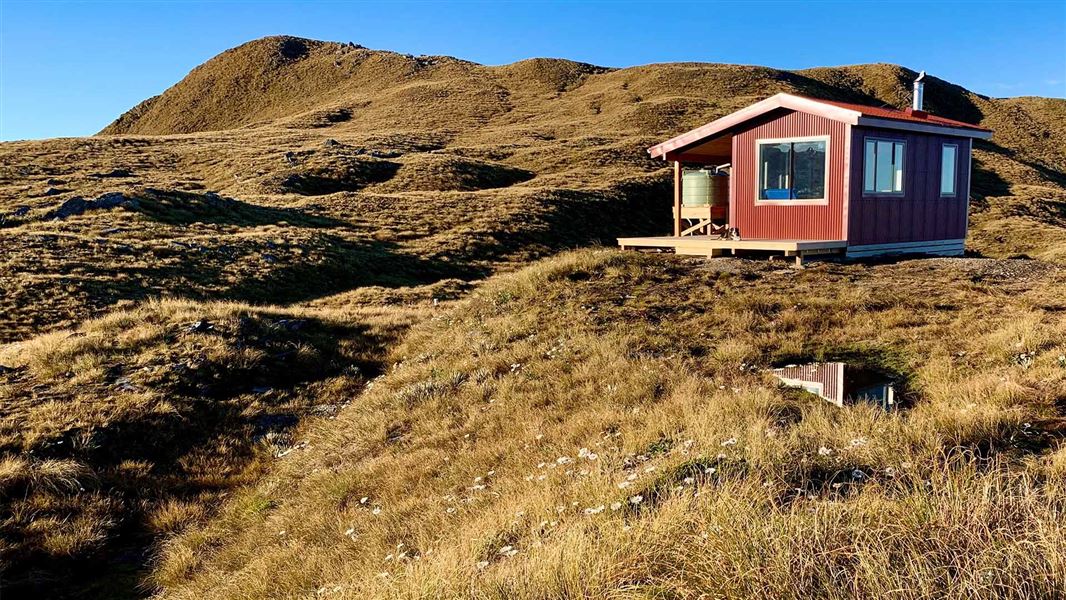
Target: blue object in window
779 194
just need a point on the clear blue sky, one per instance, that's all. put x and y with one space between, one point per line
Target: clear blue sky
69 68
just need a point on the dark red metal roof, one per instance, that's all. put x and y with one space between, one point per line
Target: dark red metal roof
902 115
852 114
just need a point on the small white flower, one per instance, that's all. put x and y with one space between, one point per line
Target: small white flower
377 510
624 485
481 565
823 451
616 506
364 500
350 531
859 441
634 500
562 460
730 442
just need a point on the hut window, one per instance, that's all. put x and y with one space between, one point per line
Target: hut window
883 166
792 169
949 165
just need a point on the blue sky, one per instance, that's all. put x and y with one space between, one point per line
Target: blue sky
69 68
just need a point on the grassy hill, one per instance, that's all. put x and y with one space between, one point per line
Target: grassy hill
358 255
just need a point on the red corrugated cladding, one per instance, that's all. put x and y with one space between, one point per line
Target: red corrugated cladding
803 222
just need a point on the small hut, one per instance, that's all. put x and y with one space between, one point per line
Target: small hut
805 176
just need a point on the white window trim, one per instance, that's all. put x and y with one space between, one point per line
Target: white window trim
793 202
903 183
955 183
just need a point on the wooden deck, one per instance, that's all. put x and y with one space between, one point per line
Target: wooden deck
702 245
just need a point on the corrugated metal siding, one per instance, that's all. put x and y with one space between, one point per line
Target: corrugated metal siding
830 376
810 222
920 214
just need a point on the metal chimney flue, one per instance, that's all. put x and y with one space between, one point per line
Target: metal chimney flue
919 92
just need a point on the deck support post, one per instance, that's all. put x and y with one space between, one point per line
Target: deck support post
677 198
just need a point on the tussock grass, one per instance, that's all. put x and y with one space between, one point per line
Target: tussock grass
136 425
557 436
361 187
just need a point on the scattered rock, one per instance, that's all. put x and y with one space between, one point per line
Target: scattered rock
201 326
114 173
325 410
385 153
20 211
52 191
4 370
331 143
124 384
290 157
75 206
114 200
292 324
78 205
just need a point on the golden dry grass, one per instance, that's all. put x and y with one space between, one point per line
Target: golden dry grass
359 193
135 425
600 425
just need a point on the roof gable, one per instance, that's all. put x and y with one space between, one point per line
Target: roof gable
852 114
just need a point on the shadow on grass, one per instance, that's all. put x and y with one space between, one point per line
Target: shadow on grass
563 219
186 208
207 444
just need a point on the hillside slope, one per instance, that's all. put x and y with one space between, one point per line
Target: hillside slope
307 203
586 428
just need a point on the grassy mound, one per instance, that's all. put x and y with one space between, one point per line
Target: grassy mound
435 172
317 175
134 426
602 424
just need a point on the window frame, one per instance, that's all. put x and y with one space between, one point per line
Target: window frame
903 180
955 179
824 200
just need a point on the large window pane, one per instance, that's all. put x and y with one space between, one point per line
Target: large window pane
897 167
868 166
792 170
883 166
883 177
774 167
948 169
809 170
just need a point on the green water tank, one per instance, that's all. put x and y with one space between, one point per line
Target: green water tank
704 187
